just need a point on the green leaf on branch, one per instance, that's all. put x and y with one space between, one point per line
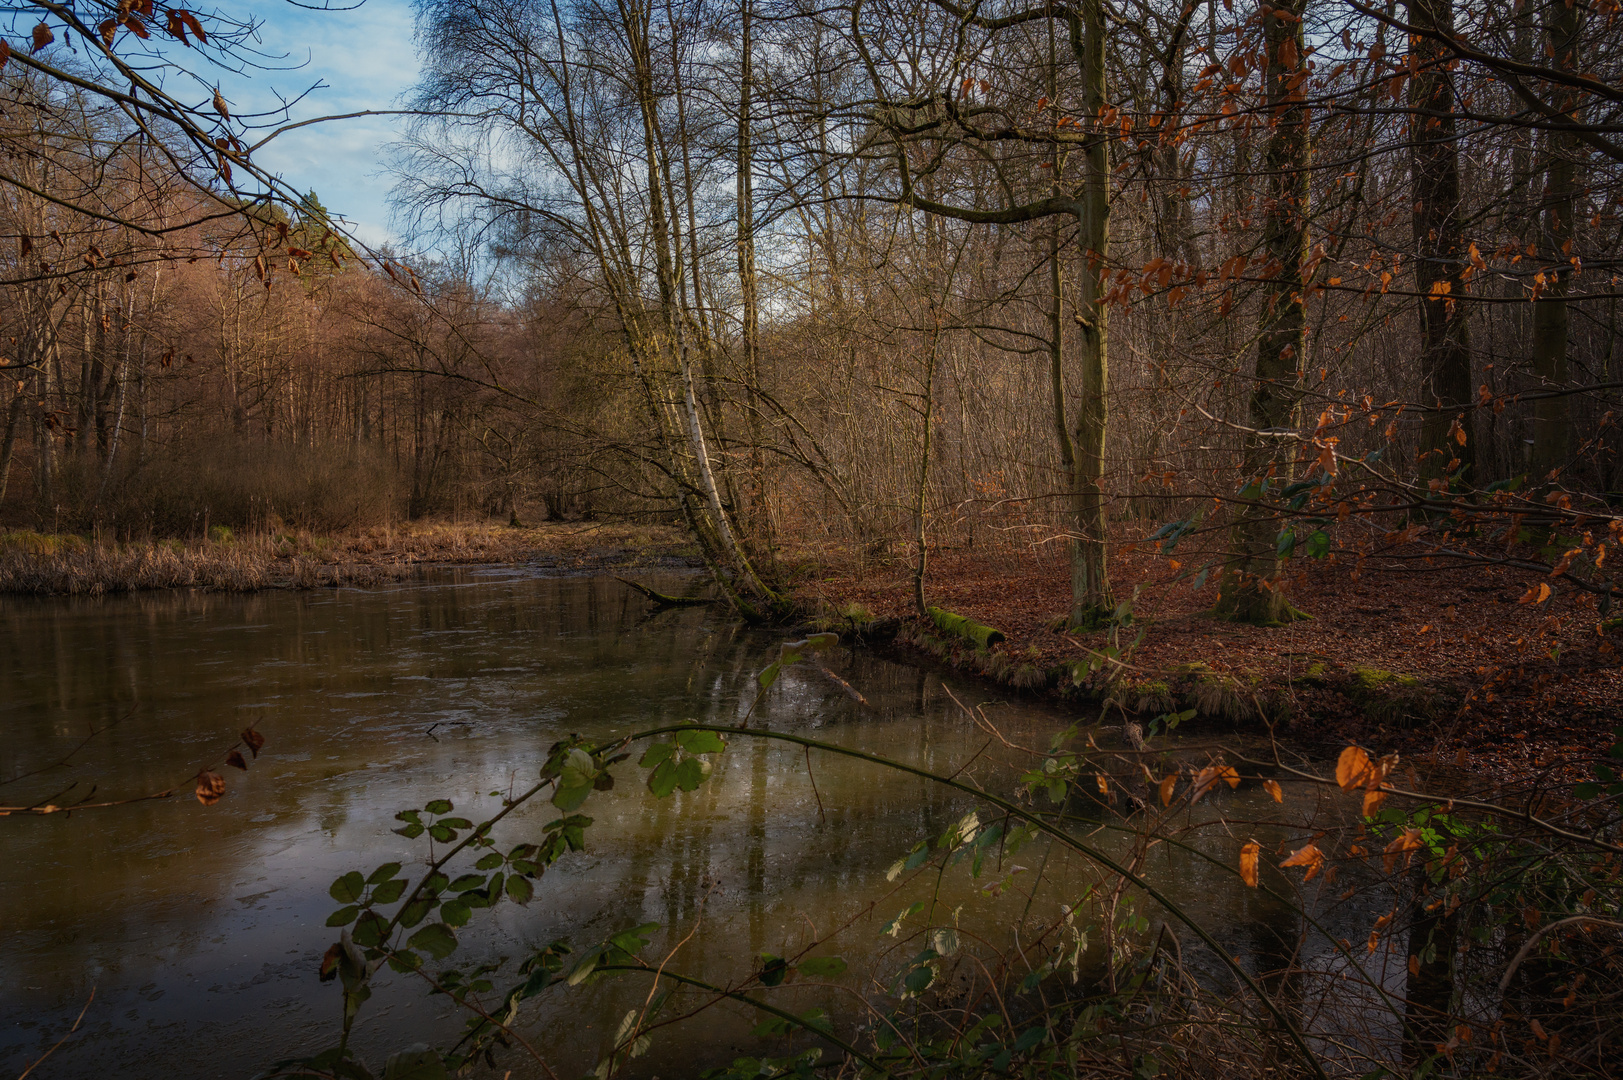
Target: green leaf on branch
416 1063
823 967
455 912
1317 545
383 873
576 777
691 773
662 781
343 916
439 806
520 889
774 970
416 911
347 889
700 742
655 754
389 891
370 930
1286 544
435 939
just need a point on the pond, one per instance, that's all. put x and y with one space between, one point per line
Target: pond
200 930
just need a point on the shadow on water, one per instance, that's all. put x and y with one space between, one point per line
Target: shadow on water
201 929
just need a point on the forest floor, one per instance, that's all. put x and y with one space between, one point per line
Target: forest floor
1459 667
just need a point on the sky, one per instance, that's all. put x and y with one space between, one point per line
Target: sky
366 59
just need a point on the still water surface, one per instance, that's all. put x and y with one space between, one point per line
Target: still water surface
200 929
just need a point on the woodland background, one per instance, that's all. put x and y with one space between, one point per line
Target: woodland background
1321 279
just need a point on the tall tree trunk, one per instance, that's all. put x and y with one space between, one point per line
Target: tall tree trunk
1091 596
8 442
1248 591
1445 343
732 555
748 298
1552 416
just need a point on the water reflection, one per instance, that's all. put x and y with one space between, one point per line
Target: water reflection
201 929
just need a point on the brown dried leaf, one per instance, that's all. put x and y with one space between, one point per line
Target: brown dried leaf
236 760
254 740
210 786
1372 801
42 37
1104 784
1274 789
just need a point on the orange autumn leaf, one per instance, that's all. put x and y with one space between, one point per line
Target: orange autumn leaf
1353 768
1248 863
1310 857
1167 785
1372 801
1212 775
1403 847
1273 789
1104 784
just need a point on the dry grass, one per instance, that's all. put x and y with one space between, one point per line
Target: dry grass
42 564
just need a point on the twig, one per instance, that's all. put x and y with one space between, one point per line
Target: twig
63 1039
1533 939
